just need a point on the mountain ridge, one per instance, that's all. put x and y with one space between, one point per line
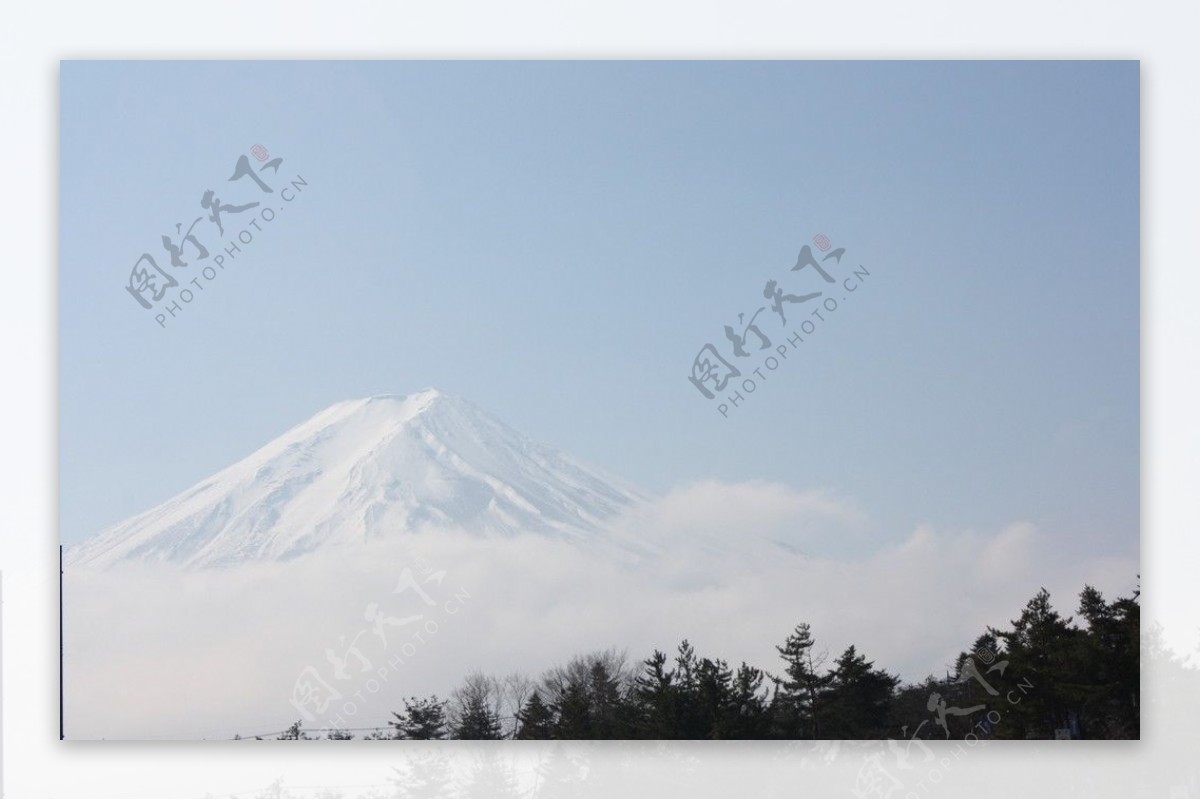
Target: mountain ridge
364 469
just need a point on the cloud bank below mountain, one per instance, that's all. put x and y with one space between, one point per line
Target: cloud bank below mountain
159 651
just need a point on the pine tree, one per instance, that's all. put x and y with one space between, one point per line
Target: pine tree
294 733
690 715
857 699
535 720
587 696
476 721
985 665
607 717
657 699
1110 657
475 714
573 712
1040 648
423 718
802 685
713 699
747 705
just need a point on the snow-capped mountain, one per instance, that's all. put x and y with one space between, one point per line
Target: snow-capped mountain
365 469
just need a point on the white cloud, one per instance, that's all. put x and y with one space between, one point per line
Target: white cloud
157 652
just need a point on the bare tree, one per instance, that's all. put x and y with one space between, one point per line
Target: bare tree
515 690
475 708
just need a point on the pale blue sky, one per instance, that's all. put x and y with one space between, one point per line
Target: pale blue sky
555 242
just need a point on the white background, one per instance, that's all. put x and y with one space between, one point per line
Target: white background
34 37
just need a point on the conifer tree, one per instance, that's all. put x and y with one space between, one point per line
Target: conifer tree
1041 648
474 710
857 698
747 704
802 684
656 695
573 712
423 718
535 720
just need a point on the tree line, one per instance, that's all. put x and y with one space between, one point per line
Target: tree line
1045 676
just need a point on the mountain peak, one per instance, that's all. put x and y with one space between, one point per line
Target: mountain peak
408 405
364 469
427 395
385 409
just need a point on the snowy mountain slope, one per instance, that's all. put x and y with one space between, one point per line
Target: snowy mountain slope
364 469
